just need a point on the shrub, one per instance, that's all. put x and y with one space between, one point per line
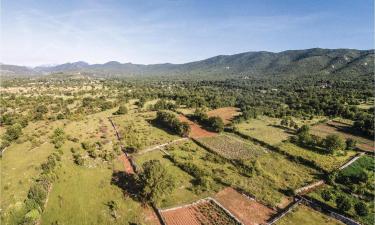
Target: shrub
343 203
326 195
121 110
350 143
155 182
334 143
361 209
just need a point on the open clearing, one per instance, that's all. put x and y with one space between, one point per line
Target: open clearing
264 129
335 127
247 210
202 212
183 192
196 130
232 147
137 131
306 216
225 113
263 180
327 162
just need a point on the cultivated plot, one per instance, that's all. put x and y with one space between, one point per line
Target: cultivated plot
202 212
247 210
232 147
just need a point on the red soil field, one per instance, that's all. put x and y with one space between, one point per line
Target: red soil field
247 210
128 167
203 212
342 129
196 130
226 113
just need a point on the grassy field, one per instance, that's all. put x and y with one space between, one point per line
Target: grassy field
306 216
264 182
81 193
264 129
184 191
137 131
20 163
232 147
325 161
344 130
80 197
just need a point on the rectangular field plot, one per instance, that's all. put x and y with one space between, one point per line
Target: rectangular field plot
264 129
202 212
325 161
183 192
343 129
232 147
247 210
137 131
306 216
263 177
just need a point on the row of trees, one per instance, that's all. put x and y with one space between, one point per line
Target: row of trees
331 143
344 204
170 121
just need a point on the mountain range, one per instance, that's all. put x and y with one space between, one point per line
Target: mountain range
287 63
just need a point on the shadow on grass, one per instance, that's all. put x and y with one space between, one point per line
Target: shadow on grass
128 184
157 125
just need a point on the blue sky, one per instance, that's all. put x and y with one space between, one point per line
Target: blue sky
35 32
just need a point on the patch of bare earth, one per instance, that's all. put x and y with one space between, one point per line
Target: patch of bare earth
125 160
150 216
225 113
196 131
247 210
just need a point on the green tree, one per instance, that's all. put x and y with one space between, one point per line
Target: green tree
155 181
216 123
13 132
350 144
121 110
343 203
361 209
326 195
334 143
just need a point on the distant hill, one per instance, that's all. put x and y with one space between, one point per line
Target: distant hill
291 63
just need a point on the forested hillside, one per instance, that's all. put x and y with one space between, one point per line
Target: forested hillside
287 64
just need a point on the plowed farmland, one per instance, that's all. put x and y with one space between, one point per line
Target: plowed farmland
247 210
232 147
202 212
